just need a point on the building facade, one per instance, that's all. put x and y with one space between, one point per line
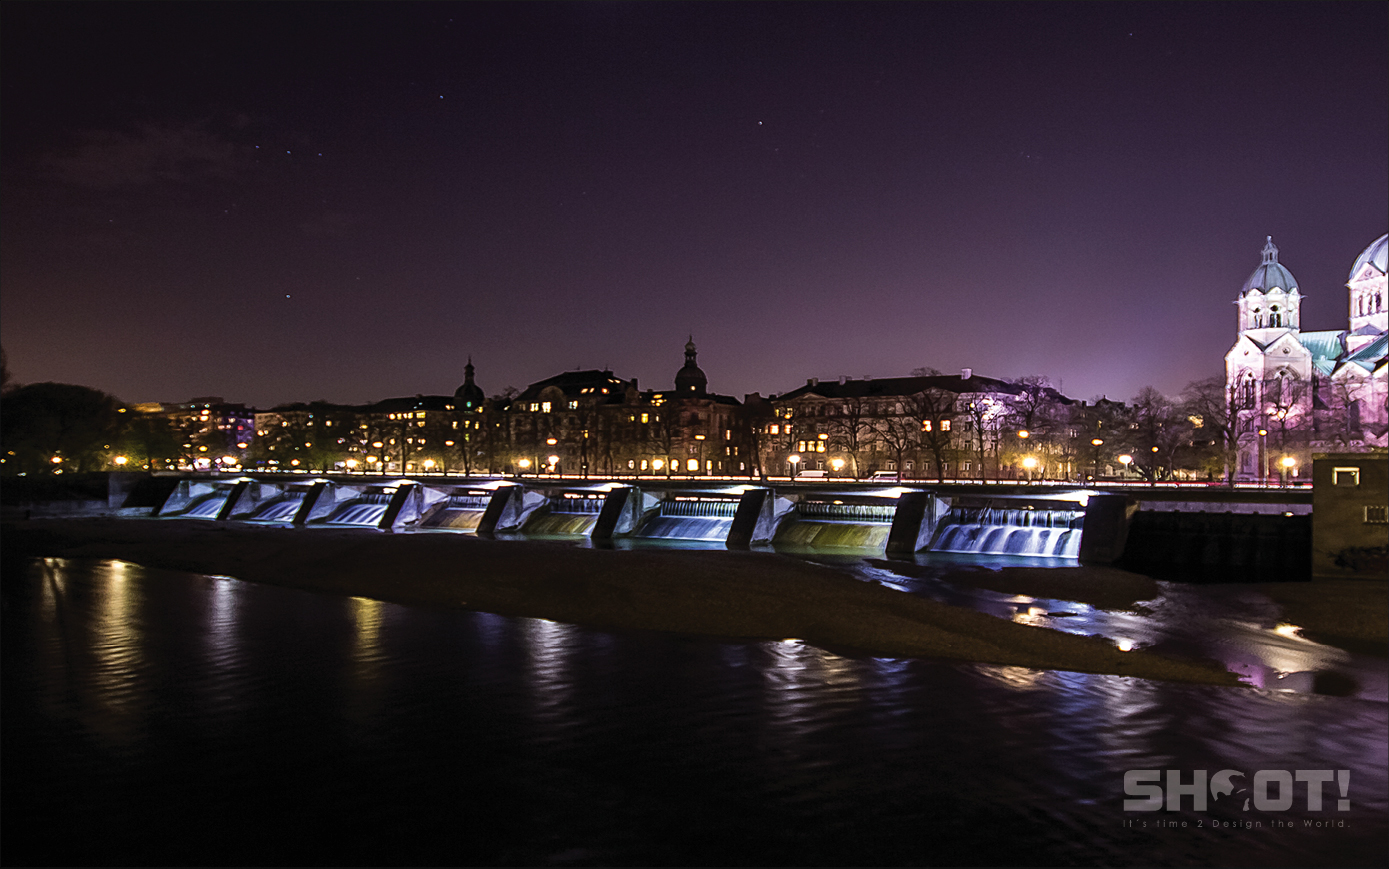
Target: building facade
1293 392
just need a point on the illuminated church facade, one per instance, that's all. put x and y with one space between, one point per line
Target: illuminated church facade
1294 392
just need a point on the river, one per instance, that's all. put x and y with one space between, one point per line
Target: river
156 717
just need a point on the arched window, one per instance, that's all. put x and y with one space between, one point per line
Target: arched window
1258 319
1275 318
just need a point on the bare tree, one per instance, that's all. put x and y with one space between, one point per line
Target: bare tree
1209 406
851 428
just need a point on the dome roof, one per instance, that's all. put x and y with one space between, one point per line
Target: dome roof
690 378
1270 272
470 394
1374 254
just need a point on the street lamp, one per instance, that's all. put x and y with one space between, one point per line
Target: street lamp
1096 443
553 462
1126 460
837 465
428 465
1263 456
1029 464
524 465
351 465
1287 462
700 438
120 461
794 460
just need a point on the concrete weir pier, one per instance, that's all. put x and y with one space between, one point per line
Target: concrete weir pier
1208 532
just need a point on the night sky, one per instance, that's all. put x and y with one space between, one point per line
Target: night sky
280 202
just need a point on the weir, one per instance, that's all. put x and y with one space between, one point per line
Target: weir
837 524
1145 529
993 530
691 518
458 512
365 509
570 514
280 509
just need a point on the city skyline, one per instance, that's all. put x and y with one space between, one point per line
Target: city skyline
292 203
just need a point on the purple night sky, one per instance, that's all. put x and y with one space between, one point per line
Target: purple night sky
280 202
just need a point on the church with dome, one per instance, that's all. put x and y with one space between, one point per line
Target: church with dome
1295 392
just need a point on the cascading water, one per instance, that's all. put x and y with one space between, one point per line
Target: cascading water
461 513
824 523
1011 531
567 516
208 507
362 510
281 509
688 519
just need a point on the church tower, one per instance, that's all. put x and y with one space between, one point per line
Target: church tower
1270 301
690 380
1369 313
469 395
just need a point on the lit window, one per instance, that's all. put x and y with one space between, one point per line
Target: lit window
544 407
692 464
925 425
945 425
645 418
1376 514
534 407
573 405
775 429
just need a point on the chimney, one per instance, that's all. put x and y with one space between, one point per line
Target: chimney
843 379
812 381
966 373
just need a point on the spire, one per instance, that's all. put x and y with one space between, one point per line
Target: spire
690 379
1270 251
469 394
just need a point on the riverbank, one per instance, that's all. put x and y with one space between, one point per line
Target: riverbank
744 595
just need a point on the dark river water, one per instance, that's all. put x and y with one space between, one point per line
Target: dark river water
154 717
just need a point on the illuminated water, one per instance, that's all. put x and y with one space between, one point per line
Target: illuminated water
1047 533
686 519
165 718
280 511
208 507
363 510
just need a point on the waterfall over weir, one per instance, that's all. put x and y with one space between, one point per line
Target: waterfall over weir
691 519
460 513
570 515
362 510
208 507
280 510
1011 531
826 523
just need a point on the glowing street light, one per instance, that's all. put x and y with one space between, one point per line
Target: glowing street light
1024 433
1029 464
57 460
429 464
837 465
120 460
524 465
1097 443
351 465
1287 462
795 461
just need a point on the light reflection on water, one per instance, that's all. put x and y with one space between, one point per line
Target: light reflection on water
178 718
